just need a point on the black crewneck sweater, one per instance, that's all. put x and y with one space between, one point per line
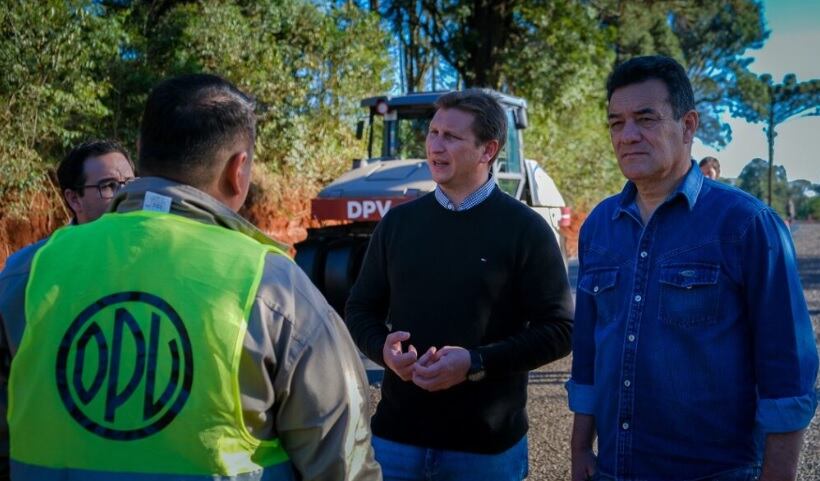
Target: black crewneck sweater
489 278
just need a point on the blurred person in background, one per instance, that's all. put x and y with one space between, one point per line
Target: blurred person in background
710 167
91 175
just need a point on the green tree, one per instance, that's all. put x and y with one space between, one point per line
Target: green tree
810 209
53 55
417 57
557 54
552 53
753 179
75 69
565 90
774 104
474 37
306 66
708 38
799 192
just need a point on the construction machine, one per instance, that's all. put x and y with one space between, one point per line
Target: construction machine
354 203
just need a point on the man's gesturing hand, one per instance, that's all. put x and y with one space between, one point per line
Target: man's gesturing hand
399 362
443 369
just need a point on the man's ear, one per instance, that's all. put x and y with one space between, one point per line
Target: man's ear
490 150
72 198
690 126
235 173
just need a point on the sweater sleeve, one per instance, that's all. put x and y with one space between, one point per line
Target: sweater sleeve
546 305
367 305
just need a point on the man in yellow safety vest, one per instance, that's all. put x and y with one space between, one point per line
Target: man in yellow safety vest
171 339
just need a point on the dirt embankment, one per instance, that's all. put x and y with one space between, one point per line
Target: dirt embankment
278 206
572 231
43 214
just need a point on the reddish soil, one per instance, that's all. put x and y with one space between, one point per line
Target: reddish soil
45 213
279 208
283 215
572 231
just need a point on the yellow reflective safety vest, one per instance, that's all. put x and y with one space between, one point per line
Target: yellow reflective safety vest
128 365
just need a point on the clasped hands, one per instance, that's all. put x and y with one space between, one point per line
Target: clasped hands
435 370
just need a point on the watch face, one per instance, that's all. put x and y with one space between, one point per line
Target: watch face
476 372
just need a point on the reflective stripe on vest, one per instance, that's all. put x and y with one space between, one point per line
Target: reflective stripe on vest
279 472
130 356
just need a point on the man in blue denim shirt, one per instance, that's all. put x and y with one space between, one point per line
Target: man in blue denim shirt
694 357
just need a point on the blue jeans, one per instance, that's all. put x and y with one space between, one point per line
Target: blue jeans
749 473
403 462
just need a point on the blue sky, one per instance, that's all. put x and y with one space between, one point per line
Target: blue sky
793 47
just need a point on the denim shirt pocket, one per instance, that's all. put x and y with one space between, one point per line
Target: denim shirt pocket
600 283
689 294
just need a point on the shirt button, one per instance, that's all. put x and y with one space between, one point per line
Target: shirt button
638 298
631 338
627 383
625 426
643 254
595 289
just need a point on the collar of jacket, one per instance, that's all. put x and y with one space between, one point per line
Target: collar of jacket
191 203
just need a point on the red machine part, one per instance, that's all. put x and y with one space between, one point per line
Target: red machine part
355 209
566 217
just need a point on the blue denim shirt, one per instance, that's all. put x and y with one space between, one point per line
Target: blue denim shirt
692 336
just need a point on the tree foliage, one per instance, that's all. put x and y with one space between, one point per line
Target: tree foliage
708 38
754 180
74 69
80 68
408 22
557 54
553 54
774 104
801 193
52 55
810 209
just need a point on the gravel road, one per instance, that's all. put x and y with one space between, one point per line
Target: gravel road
550 421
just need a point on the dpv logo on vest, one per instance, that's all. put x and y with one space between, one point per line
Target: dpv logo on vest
125 366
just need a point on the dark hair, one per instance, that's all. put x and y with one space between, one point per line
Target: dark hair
489 118
187 120
709 161
657 67
71 170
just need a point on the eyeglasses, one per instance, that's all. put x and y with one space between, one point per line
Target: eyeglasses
108 188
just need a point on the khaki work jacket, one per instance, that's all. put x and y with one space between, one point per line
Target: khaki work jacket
301 378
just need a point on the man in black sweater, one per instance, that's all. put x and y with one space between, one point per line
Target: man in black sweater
473 288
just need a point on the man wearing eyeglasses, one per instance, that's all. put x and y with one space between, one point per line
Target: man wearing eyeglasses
91 175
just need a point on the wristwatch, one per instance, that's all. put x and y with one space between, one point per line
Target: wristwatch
476 372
